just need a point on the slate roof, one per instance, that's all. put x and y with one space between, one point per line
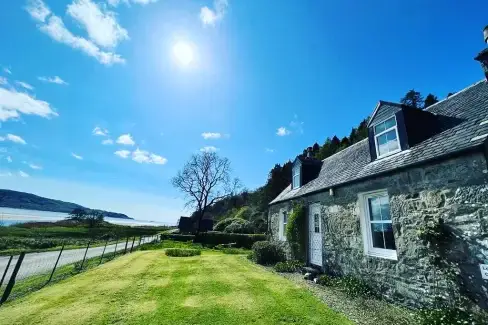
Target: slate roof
354 163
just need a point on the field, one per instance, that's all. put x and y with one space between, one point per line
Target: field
45 236
147 287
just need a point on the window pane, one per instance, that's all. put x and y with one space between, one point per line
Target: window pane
392 140
377 235
390 123
388 233
374 209
316 221
385 208
379 128
285 217
382 144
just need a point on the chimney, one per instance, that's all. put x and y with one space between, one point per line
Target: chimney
309 152
482 57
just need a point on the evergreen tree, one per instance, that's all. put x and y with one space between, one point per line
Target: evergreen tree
430 100
413 98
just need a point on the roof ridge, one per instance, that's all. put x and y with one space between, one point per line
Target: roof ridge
455 94
343 150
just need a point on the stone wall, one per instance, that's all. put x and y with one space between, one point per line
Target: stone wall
456 190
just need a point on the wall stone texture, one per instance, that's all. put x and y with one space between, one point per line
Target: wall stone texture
455 190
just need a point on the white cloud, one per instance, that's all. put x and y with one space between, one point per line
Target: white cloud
211 16
158 160
211 135
98 131
282 131
7 70
269 150
101 25
53 80
23 174
9 159
115 3
77 156
122 153
142 156
209 149
126 139
3 81
14 138
54 27
37 167
296 125
24 85
107 142
5 174
13 103
38 10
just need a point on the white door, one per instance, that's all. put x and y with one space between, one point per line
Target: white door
315 237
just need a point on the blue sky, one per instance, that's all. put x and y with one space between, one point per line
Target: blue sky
97 108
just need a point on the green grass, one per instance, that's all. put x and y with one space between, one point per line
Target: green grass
150 288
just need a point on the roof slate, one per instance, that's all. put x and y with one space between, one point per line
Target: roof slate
354 163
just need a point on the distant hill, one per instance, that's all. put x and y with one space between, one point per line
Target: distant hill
21 200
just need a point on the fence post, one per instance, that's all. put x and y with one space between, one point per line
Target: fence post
133 240
116 243
84 257
5 273
55 264
140 238
126 243
101 258
11 282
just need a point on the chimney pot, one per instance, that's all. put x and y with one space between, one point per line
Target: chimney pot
309 152
485 34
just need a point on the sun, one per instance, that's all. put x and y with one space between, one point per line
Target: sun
183 53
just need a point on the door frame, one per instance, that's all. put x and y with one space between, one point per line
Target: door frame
310 225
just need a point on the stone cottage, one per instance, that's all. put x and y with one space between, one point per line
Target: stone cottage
367 203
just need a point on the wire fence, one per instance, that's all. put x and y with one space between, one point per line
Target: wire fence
27 272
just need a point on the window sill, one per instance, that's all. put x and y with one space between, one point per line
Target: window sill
387 154
387 254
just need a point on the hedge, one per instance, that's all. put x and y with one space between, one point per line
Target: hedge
177 237
214 238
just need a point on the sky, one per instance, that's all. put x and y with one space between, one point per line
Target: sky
103 101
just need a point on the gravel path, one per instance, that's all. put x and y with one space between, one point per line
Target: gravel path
360 310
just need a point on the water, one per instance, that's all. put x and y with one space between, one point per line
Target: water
12 216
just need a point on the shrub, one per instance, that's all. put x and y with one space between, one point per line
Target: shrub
296 232
268 253
182 252
177 237
326 280
448 316
234 251
240 226
213 238
222 224
243 213
288 266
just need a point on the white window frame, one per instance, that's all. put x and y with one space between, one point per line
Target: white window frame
366 227
383 132
296 172
282 224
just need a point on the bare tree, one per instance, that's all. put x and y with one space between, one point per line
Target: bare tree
204 180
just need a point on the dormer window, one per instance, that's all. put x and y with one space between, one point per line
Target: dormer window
386 137
296 176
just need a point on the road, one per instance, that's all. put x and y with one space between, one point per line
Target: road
39 263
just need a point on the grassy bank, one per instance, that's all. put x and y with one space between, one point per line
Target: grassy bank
151 288
45 236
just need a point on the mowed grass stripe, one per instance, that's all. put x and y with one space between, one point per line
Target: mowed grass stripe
151 288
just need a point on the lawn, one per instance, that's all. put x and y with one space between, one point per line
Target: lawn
148 287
